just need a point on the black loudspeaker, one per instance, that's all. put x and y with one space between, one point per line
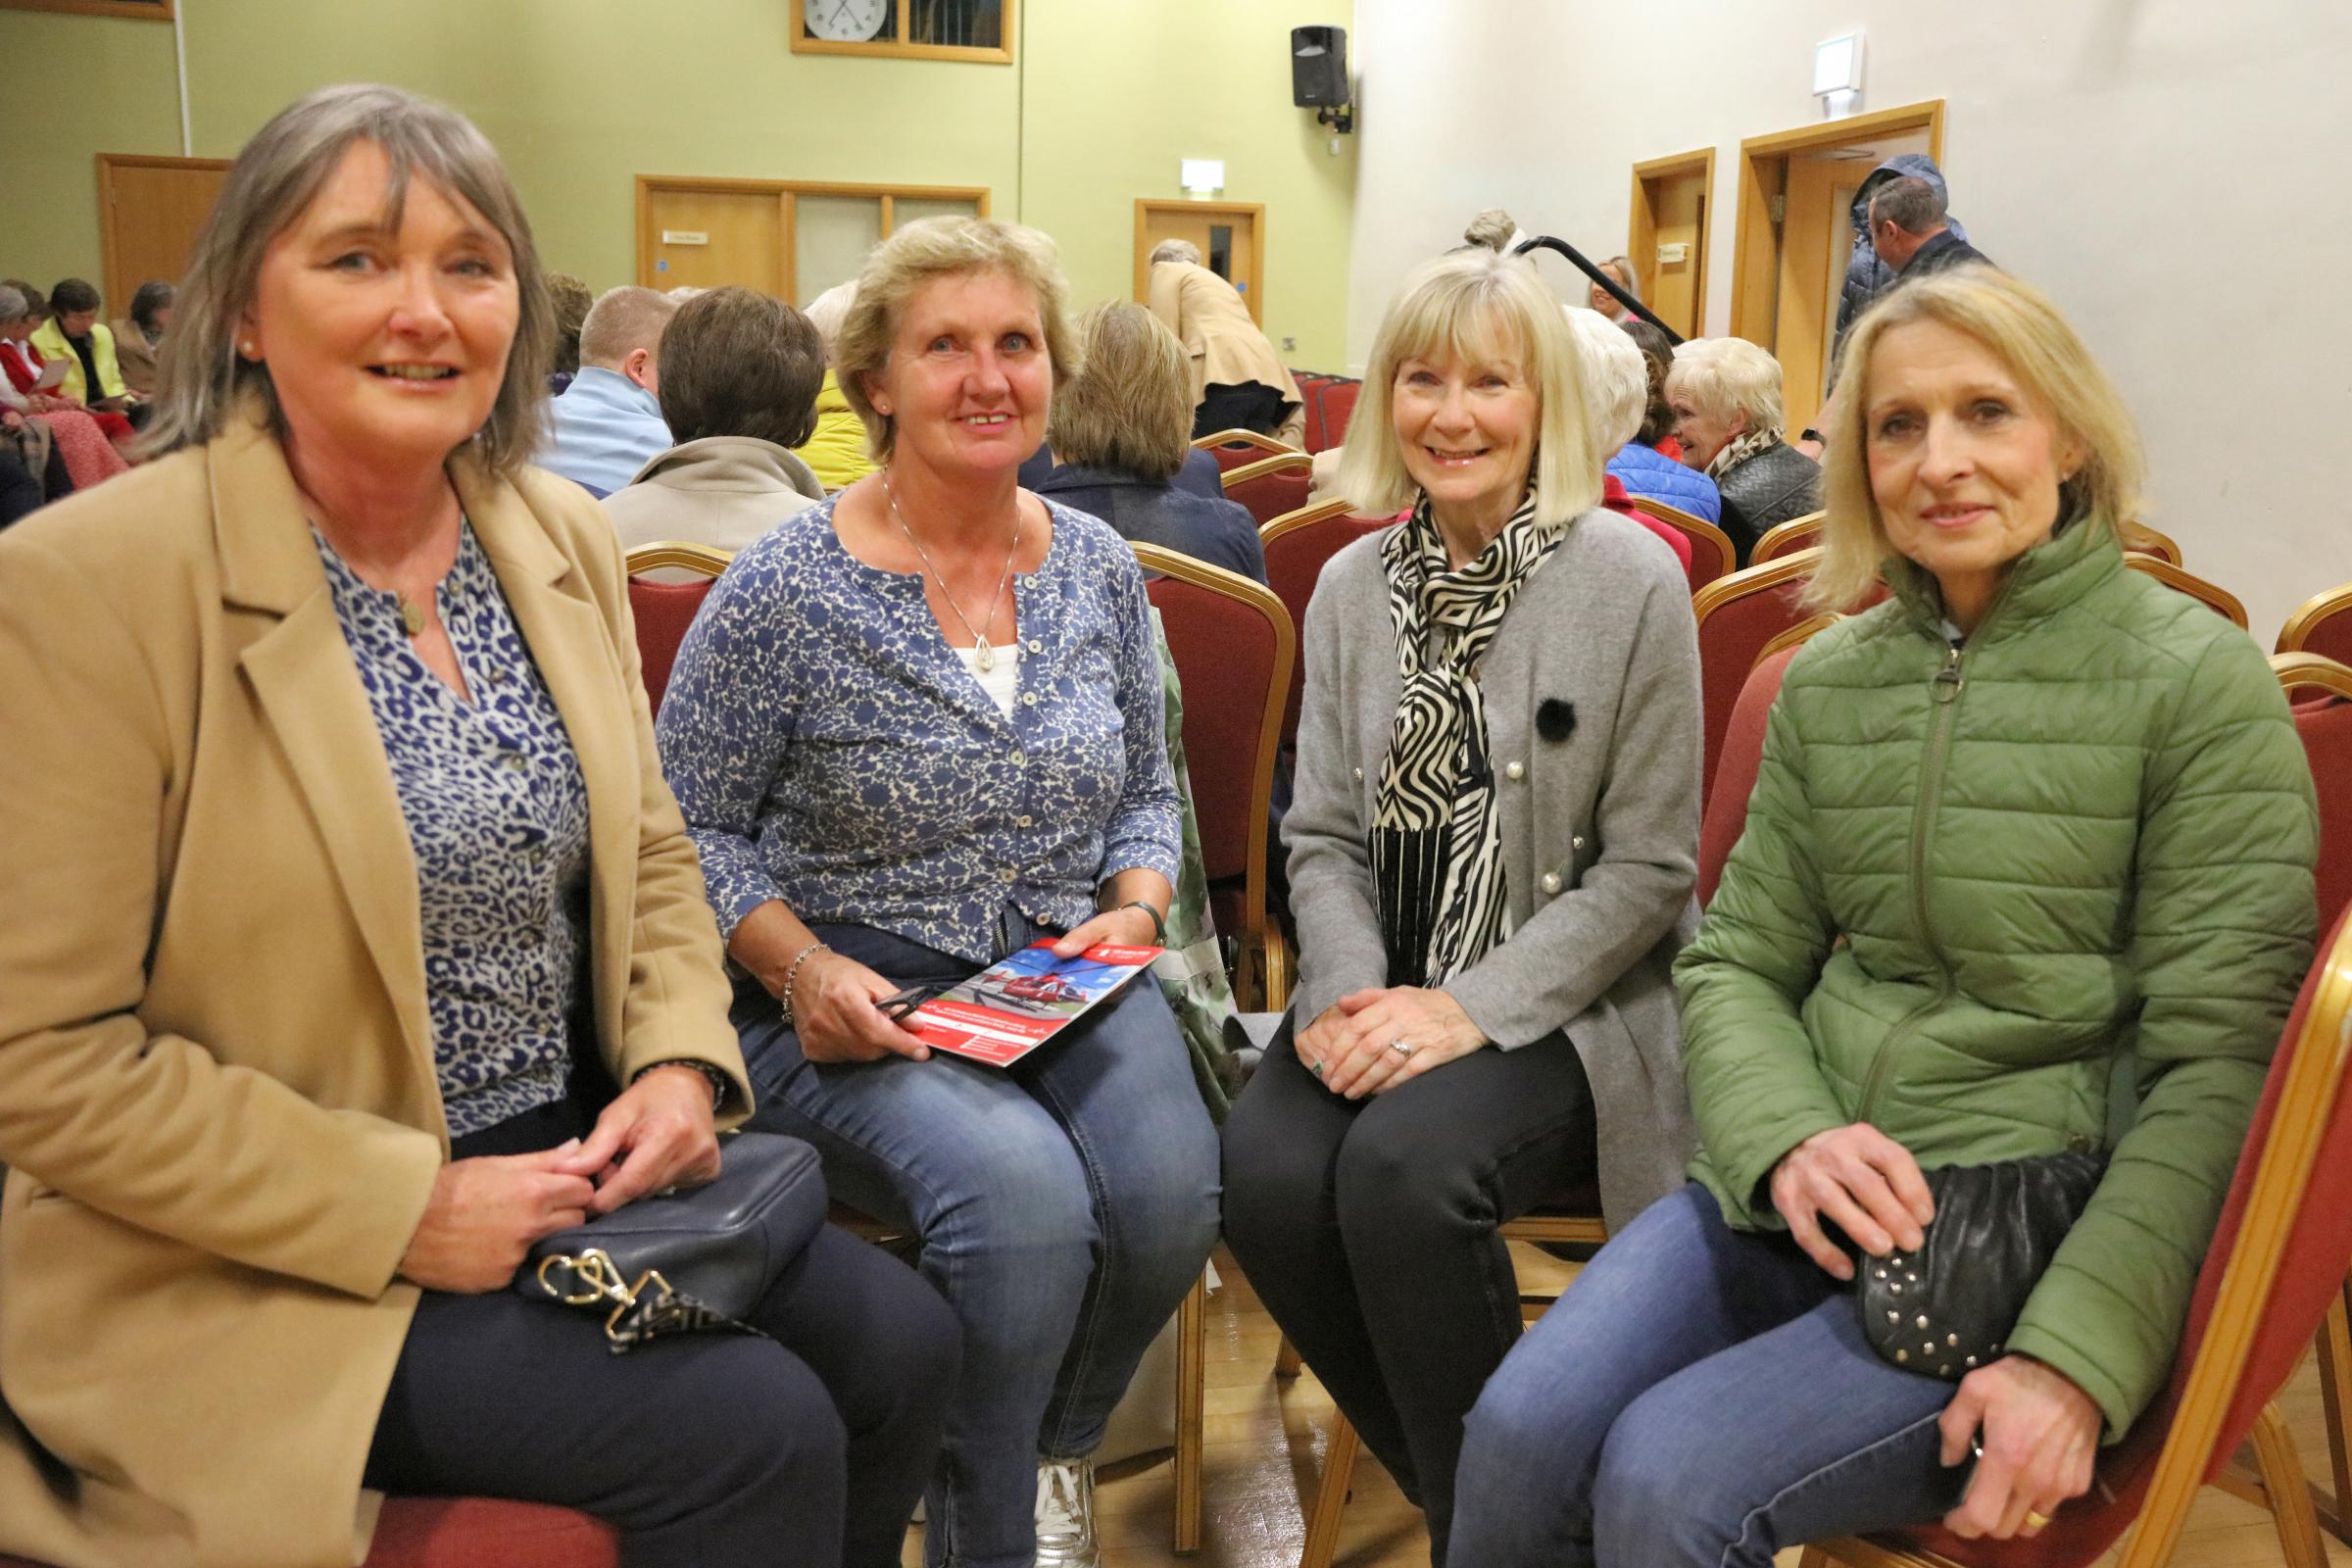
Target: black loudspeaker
1318 66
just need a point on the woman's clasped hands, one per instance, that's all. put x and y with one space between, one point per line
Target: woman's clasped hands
1370 1041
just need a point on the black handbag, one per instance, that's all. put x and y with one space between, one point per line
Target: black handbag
1950 1307
689 1258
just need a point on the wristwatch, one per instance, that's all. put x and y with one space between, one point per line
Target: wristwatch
720 1084
1159 924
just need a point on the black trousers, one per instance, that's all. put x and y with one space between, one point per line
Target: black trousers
1250 405
708 1450
1369 1229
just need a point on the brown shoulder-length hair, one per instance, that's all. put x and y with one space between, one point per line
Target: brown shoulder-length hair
200 377
1131 407
2023 328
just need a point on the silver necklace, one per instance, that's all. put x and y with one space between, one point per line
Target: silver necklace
982 654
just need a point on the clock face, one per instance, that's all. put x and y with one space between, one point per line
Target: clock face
846 21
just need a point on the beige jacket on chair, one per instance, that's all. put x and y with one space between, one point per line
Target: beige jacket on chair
221 1108
1212 320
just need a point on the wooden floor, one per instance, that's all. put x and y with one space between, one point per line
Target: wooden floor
1267 1444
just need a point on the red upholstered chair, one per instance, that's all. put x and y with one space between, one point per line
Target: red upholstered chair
1233 449
2320 690
2213 595
1712 552
1736 770
2275 1268
1272 486
1786 538
1234 646
2322 624
1297 545
1737 617
1338 406
478 1533
1310 400
663 611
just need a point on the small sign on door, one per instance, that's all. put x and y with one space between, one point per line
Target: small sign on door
1673 255
685 236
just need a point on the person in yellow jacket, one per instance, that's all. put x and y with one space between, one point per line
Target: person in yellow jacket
836 453
85 345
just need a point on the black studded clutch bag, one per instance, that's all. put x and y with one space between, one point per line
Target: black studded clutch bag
1948 1307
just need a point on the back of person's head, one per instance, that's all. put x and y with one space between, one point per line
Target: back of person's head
1727 375
1615 381
1481 308
1491 228
2020 327
830 310
1176 250
1130 407
14 306
1911 204
71 296
622 322
147 300
737 362
37 303
571 299
1657 353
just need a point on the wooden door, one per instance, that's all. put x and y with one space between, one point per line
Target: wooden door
150 211
707 235
1230 236
1675 268
1818 192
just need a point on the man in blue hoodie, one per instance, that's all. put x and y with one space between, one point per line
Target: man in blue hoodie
608 423
1868 274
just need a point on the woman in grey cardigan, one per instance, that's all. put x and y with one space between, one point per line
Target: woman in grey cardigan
1492 852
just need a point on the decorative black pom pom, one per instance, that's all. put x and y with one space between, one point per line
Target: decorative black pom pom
1555 721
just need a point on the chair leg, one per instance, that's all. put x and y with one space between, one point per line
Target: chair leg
1192 1398
2290 1496
1286 1360
1274 971
1331 1498
2335 1403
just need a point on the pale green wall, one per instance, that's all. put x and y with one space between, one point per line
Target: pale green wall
584 95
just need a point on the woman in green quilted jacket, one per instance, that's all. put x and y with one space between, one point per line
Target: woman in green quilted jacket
2030 840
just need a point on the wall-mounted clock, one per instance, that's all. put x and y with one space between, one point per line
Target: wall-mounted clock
846 21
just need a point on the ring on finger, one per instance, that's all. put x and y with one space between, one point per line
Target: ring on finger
1402 1047
1315 1067
2036 1522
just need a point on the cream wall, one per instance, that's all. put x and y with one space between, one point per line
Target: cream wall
584 95
2167 169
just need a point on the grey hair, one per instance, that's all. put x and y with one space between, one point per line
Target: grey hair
14 306
1492 229
200 377
830 310
1910 203
623 321
1176 250
1615 379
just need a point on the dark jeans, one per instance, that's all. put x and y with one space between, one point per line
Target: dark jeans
1252 406
708 1450
1368 1228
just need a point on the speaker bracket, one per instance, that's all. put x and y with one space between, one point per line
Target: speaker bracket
1341 118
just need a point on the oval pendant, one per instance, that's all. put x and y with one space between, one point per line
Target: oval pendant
984 655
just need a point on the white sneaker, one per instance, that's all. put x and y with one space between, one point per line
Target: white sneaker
1065 1514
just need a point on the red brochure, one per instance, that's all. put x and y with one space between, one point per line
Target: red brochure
1014 1006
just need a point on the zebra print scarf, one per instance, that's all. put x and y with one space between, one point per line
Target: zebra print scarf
1436 838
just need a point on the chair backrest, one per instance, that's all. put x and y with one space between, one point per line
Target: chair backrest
1336 401
2321 624
1296 546
1736 772
1310 402
1234 648
2213 595
1233 449
1712 552
1272 486
662 611
1786 538
2319 690
2148 542
1737 616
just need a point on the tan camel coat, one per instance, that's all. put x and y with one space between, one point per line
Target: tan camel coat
220 1102
1212 320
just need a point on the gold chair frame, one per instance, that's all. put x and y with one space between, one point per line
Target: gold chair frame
2310 614
1699 527
1779 539
1244 438
1284 460
709 560
2210 594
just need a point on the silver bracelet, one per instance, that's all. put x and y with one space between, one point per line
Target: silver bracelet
792 972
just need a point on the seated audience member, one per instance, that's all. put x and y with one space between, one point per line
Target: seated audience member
836 450
1239 381
23 487
571 299
140 334
1616 386
1199 474
609 422
89 445
1495 229
1650 463
75 336
1911 232
1621 272
1725 397
1121 429
739 375
913 730
1964 903
1492 845
367 700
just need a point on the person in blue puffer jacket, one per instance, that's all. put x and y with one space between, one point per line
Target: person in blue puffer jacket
1640 466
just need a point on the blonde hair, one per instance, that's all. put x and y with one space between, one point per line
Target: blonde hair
1479 306
1727 376
1176 250
2022 330
1131 407
623 321
921 254
200 375
1493 227
1616 379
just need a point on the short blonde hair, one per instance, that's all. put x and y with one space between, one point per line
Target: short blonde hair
921 254
2023 330
623 321
1615 376
1131 407
1176 250
1482 306
1727 376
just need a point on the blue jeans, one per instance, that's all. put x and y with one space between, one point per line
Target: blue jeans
1063 1206
1699 1395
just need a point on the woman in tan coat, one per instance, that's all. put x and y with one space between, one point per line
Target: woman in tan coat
335 834
1239 381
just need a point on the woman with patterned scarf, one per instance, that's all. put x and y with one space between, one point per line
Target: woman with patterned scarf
1492 852
1725 395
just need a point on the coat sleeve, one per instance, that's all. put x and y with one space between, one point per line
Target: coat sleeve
1756 1091
2221 937
1340 947
1645 820
149 1127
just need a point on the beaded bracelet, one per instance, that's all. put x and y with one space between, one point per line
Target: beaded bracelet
720 1084
792 972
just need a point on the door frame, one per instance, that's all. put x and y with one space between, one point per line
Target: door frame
1255 212
1641 229
786 191
118 289
1763 174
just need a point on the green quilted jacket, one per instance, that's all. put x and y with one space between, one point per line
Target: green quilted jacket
1986 894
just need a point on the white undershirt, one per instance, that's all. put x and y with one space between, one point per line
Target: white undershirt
1002 682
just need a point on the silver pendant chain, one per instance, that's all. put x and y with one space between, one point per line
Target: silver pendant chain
982 654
